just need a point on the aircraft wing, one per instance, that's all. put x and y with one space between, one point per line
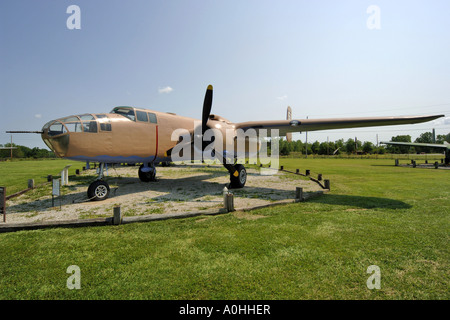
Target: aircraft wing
301 125
417 144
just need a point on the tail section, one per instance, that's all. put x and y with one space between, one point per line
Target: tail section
289 117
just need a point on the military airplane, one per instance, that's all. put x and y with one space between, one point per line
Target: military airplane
445 146
136 135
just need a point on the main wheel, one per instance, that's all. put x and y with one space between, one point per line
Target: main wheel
241 179
98 190
147 176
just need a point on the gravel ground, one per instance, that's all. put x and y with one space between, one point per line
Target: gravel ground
183 188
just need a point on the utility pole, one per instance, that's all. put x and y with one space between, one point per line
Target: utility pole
328 146
306 145
11 148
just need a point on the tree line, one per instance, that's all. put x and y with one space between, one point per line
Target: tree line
355 146
23 152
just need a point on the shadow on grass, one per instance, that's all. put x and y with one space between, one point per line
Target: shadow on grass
361 202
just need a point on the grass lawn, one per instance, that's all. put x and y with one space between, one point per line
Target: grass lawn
15 175
376 214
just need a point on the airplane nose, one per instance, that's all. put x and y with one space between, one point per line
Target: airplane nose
57 141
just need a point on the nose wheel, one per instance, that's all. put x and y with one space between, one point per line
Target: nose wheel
99 189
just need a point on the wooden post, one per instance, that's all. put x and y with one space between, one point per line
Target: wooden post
117 218
327 184
436 165
77 172
297 171
30 183
307 172
230 202
319 177
414 163
396 162
49 178
224 193
281 168
298 194
3 202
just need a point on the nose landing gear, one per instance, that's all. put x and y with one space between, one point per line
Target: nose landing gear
99 189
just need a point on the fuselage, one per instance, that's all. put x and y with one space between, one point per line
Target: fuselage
126 134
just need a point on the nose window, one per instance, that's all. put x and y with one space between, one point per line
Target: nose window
56 128
74 127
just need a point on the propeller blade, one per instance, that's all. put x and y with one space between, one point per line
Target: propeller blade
207 105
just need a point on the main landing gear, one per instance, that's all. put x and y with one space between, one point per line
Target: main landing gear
238 175
99 189
147 173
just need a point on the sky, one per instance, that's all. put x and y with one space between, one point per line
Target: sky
323 58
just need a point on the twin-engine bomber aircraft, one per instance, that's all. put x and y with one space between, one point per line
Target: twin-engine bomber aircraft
134 135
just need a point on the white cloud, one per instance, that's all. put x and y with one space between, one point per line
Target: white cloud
38 116
442 121
282 97
165 90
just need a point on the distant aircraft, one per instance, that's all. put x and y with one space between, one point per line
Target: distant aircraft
135 135
445 146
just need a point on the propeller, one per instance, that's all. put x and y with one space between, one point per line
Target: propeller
207 105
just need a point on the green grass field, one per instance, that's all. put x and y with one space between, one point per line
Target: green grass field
14 175
376 214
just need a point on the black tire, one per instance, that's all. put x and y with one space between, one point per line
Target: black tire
98 190
241 179
147 176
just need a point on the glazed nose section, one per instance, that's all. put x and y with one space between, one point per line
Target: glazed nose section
55 136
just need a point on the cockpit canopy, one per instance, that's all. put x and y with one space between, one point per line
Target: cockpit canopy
135 114
93 123
80 123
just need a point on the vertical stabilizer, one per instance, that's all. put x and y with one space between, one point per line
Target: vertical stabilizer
289 117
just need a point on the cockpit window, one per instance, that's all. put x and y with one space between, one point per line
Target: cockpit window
86 117
47 125
141 116
90 126
152 117
69 119
56 128
74 127
105 123
126 112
